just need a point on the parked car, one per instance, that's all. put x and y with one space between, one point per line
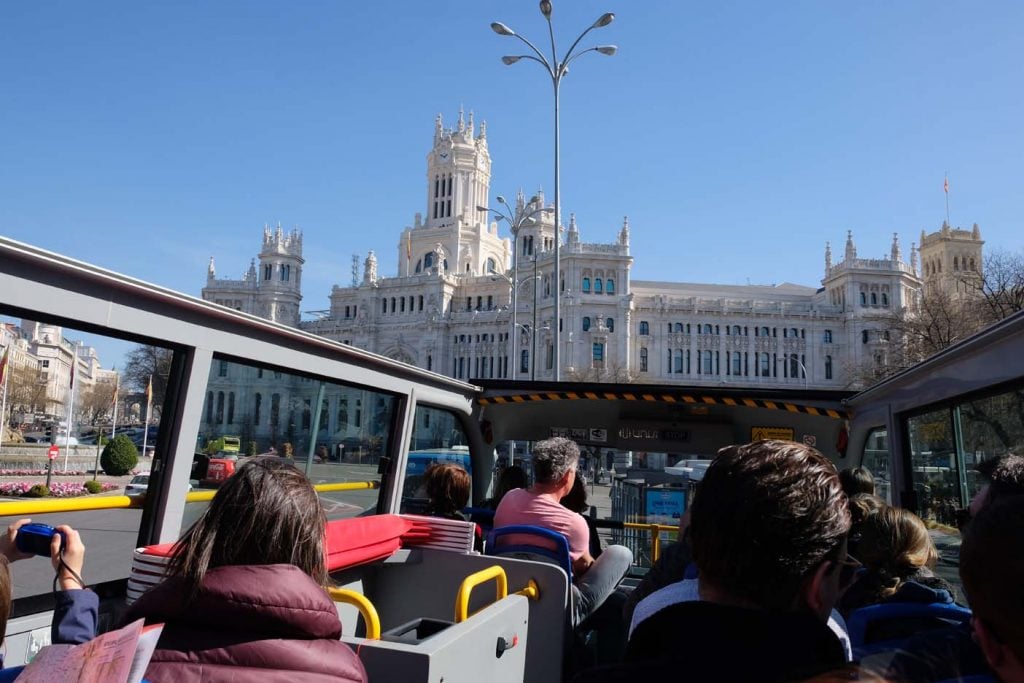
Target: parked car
138 484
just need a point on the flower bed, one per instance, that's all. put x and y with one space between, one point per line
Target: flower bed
40 473
59 490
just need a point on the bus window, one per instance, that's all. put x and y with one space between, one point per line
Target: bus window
876 459
275 413
437 437
991 427
933 465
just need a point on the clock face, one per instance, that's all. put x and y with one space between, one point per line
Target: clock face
443 156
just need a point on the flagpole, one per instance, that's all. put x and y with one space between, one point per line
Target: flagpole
945 188
145 424
3 408
71 409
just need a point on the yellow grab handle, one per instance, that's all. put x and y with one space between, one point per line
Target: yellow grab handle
365 607
530 591
472 581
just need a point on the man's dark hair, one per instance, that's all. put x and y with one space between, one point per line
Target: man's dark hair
992 569
857 480
768 514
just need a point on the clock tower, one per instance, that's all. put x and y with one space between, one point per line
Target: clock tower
458 173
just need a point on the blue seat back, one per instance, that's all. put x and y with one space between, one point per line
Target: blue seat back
554 546
860 620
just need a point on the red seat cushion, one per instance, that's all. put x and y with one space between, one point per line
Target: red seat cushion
363 539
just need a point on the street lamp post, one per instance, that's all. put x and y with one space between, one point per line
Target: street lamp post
516 220
556 68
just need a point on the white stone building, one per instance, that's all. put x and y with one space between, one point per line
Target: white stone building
447 311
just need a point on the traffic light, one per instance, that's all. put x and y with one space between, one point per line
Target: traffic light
49 433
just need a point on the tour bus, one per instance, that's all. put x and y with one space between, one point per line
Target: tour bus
229 369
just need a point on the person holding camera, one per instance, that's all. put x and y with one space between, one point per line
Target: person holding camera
75 610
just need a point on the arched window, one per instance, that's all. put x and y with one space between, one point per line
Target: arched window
586 285
679 360
598 288
524 361
863 299
419 265
268 271
863 336
794 333
286 272
885 299
526 244
708 329
828 336
679 327
428 260
736 330
645 329
492 265
529 241
384 302
609 286
874 298
737 363
828 367
610 324
586 323
643 360
547 285
765 332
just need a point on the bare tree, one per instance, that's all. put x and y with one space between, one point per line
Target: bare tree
144 362
26 389
908 336
96 402
1000 286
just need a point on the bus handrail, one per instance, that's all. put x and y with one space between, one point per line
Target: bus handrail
44 506
472 581
369 613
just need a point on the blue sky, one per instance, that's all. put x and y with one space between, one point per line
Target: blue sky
738 137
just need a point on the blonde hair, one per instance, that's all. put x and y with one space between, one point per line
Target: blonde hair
894 545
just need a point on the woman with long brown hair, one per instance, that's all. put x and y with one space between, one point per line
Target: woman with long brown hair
245 588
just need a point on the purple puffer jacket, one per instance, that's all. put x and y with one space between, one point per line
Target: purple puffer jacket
261 623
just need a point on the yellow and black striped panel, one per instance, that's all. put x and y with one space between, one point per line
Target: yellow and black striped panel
660 397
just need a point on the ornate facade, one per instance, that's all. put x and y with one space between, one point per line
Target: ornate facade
449 308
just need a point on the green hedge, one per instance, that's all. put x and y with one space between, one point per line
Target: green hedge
119 457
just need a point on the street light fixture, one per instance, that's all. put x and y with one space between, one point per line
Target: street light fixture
516 219
555 69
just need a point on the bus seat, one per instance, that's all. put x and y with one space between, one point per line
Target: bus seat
358 540
550 544
483 517
861 620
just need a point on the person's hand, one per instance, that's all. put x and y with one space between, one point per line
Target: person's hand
74 558
8 546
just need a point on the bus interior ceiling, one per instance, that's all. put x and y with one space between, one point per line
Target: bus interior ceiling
678 420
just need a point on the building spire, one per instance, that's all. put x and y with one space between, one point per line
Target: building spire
851 249
211 272
896 254
828 258
624 232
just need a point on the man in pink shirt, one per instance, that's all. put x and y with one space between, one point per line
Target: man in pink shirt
554 469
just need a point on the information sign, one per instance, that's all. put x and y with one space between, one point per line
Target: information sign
776 433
